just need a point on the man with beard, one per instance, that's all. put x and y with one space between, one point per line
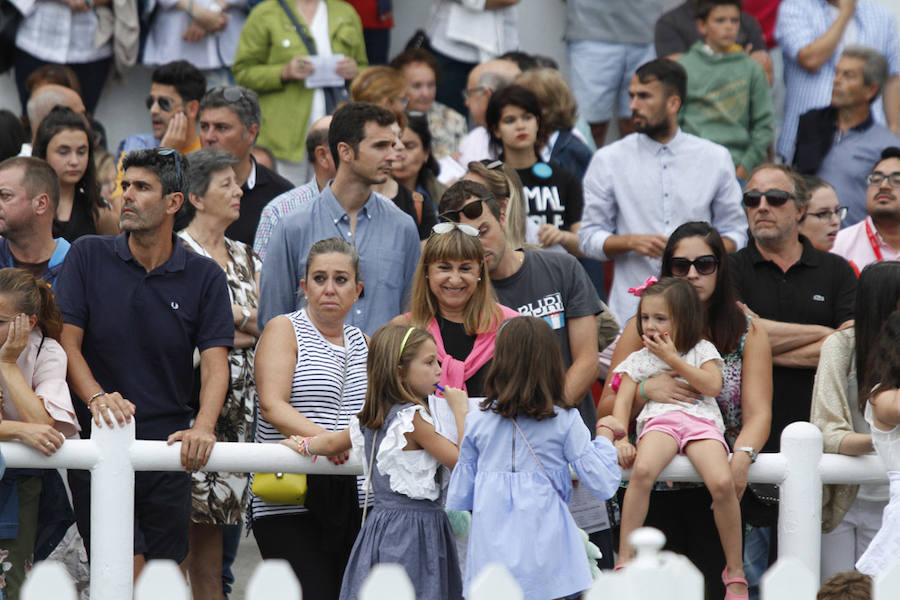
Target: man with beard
639 189
877 237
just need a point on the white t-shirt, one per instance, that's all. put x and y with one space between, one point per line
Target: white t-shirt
641 364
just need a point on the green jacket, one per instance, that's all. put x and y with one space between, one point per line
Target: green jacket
268 41
728 102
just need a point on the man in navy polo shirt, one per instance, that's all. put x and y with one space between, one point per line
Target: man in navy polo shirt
135 307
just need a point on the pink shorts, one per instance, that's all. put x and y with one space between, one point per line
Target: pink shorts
684 428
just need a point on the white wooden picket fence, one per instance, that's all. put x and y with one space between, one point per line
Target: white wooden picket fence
113 455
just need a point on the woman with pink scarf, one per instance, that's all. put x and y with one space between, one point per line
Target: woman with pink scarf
453 299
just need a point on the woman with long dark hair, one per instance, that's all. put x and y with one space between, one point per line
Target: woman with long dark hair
851 514
695 252
65 140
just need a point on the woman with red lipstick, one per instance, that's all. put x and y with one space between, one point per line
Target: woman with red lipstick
554 195
65 140
220 499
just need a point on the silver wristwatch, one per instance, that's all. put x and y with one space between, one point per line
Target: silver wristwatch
749 450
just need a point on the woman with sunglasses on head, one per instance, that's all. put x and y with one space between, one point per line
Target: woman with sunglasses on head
65 141
695 252
822 219
553 195
851 514
453 299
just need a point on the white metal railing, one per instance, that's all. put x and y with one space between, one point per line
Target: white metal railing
113 455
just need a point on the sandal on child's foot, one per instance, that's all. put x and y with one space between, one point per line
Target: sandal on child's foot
729 595
620 566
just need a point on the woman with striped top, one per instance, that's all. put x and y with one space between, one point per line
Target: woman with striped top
311 378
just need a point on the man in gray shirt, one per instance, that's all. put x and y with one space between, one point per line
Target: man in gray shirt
617 34
364 143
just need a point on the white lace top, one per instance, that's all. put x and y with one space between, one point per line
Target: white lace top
410 472
641 364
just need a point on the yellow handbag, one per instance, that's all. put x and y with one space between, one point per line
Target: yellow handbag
280 488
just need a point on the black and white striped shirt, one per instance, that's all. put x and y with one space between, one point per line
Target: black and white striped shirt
316 391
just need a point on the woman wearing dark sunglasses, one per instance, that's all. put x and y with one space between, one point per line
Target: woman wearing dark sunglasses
695 252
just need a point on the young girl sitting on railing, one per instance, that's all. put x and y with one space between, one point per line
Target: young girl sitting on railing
670 322
882 410
37 410
401 455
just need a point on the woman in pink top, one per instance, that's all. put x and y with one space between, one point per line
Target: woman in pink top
453 299
36 406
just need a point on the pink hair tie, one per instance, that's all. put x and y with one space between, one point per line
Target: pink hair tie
615 382
637 291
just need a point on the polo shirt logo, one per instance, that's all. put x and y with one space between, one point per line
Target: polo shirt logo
818 298
174 305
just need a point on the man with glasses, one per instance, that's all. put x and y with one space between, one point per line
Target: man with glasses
800 296
640 188
483 81
173 102
840 142
229 120
135 308
364 146
877 237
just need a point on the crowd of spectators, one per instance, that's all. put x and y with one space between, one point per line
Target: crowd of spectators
293 184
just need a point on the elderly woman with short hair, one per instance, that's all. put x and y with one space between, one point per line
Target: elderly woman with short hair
220 499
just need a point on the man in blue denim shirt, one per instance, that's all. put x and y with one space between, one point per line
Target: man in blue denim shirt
364 143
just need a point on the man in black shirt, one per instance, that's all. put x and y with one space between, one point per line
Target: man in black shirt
800 295
229 120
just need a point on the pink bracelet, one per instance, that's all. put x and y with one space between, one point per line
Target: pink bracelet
616 436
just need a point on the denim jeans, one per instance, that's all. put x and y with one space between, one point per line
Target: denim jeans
231 538
756 556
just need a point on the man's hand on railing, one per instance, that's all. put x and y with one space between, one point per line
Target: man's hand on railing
196 446
113 408
43 438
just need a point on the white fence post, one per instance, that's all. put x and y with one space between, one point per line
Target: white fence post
48 579
789 579
112 514
273 578
161 579
388 580
800 513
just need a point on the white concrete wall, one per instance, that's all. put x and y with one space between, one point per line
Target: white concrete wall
122 111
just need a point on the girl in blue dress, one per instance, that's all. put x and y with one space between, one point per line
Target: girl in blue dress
513 468
402 454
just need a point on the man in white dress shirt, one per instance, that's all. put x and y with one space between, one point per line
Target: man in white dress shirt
639 189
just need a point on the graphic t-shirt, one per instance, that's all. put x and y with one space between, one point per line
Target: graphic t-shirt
552 194
555 287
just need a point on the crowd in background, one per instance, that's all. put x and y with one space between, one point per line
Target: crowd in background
288 189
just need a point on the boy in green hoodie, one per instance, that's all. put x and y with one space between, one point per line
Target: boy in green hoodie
728 100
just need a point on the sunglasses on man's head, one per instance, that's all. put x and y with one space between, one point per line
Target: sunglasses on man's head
773 198
165 104
448 226
174 154
472 210
705 265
